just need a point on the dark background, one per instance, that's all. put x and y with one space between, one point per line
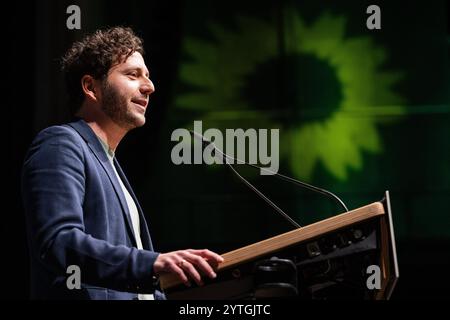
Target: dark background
193 206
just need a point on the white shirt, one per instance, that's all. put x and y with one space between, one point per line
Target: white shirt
132 208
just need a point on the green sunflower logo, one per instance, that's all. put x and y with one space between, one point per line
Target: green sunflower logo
334 94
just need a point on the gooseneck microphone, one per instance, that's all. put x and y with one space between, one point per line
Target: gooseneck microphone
327 193
206 142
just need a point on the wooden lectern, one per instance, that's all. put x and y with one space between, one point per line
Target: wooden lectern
348 256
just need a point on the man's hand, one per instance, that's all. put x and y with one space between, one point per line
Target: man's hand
188 264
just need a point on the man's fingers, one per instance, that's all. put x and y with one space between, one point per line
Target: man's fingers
178 270
208 255
188 267
188 264
200 263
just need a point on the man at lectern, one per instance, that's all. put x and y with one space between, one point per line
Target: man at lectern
81 212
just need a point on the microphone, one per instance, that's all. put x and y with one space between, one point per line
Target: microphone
327 193
206 142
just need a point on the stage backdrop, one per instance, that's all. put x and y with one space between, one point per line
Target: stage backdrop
359 111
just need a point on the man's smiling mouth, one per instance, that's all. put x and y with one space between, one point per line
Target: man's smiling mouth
141 102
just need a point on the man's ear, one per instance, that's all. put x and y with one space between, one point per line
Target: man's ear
90 87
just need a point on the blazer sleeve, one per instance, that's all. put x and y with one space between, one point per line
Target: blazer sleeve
53 184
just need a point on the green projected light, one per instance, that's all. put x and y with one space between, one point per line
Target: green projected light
330 119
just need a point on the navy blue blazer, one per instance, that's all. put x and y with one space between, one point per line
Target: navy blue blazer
76 214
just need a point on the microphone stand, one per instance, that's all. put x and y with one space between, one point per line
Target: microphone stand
280 176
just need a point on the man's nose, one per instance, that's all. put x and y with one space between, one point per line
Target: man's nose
147 87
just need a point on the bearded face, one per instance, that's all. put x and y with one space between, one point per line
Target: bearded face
125 92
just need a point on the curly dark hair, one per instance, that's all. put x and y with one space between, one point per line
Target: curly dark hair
95 55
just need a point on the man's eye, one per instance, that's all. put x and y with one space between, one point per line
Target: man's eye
133 74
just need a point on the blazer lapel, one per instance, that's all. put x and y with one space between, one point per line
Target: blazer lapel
89 136
145 234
